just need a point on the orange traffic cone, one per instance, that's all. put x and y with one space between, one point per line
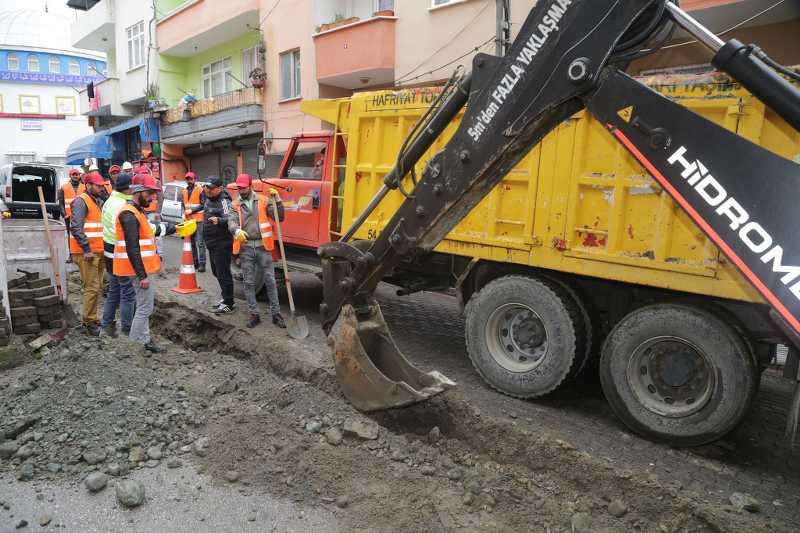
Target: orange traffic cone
187 282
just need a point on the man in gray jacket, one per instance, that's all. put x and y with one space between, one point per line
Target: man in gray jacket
253 231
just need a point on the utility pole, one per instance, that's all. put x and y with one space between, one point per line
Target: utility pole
502 27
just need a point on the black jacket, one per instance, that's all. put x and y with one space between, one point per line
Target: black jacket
219 235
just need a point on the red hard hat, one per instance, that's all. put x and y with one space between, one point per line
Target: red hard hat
74 172
93 177
144 182
114 168
243 180
191 175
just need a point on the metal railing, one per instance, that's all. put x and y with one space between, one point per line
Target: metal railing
215 104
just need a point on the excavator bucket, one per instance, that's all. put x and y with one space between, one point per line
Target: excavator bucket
372 372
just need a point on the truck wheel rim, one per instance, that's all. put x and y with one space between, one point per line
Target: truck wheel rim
671 376
516 337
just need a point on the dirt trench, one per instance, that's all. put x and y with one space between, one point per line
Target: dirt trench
483 473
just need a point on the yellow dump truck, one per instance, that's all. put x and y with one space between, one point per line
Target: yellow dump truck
577 217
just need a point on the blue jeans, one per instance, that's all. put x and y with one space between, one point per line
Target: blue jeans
120 294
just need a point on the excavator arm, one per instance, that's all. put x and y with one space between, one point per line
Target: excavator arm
567 56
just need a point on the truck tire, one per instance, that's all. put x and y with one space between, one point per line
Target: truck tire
583 322
677 374
522 335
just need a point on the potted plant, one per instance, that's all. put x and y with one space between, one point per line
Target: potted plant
258 77
384 13
151 94
338 20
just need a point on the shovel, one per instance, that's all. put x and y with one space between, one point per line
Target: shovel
297 326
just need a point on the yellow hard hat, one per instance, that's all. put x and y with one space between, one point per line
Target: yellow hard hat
184 229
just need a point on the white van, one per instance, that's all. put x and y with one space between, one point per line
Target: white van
19 183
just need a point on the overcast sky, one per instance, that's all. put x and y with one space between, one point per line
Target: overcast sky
58 7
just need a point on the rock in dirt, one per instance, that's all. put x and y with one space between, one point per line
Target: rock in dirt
25 472
617 508
21 427
342 501
21 524
581 523
96 481
743 501
94 457
45 519
333 436
231 476
113 469
365 429
434 435
8 449
200 446
136 455
174 463
454 474
154 452
427 470
313 426
130 493
54 468
25 451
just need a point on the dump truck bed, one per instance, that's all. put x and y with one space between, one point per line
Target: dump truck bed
577 202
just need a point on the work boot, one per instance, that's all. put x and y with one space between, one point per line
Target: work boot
215 306
277 319
254 321
224 309
91 329
201 268
109 331
153 348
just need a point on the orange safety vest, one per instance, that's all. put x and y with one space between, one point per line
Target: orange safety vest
147 246
92 227
264 225
69 195
190 202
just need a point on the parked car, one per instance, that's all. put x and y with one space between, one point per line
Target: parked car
171 210
19 184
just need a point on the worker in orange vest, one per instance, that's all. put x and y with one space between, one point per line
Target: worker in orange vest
86 246
113 172
66 194
192 202
152 210
254 233
135 254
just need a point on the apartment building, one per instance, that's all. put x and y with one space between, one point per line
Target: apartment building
308 49
119 106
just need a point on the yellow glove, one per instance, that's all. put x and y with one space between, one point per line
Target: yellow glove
273 191
185 229
240 235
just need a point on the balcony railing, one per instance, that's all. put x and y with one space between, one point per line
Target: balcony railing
215 104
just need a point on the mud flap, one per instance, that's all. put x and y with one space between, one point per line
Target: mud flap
371 370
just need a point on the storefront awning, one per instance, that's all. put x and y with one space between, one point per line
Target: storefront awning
101 144
98 145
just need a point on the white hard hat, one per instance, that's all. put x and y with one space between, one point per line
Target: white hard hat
93 167
127 166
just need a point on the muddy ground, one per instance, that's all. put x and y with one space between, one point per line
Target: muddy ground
256 415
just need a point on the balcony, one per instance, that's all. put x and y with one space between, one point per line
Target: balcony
356 55
105 102
94 30
198 25
233 114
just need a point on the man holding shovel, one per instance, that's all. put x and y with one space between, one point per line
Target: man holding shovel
253 233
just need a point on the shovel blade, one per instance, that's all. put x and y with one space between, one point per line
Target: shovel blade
297 326
371 370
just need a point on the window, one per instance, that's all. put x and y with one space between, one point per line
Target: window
74 67
33 63
54 65
437 3
249 62
91 69
380 5
216 79
136 47
13 62
290 75
307 162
